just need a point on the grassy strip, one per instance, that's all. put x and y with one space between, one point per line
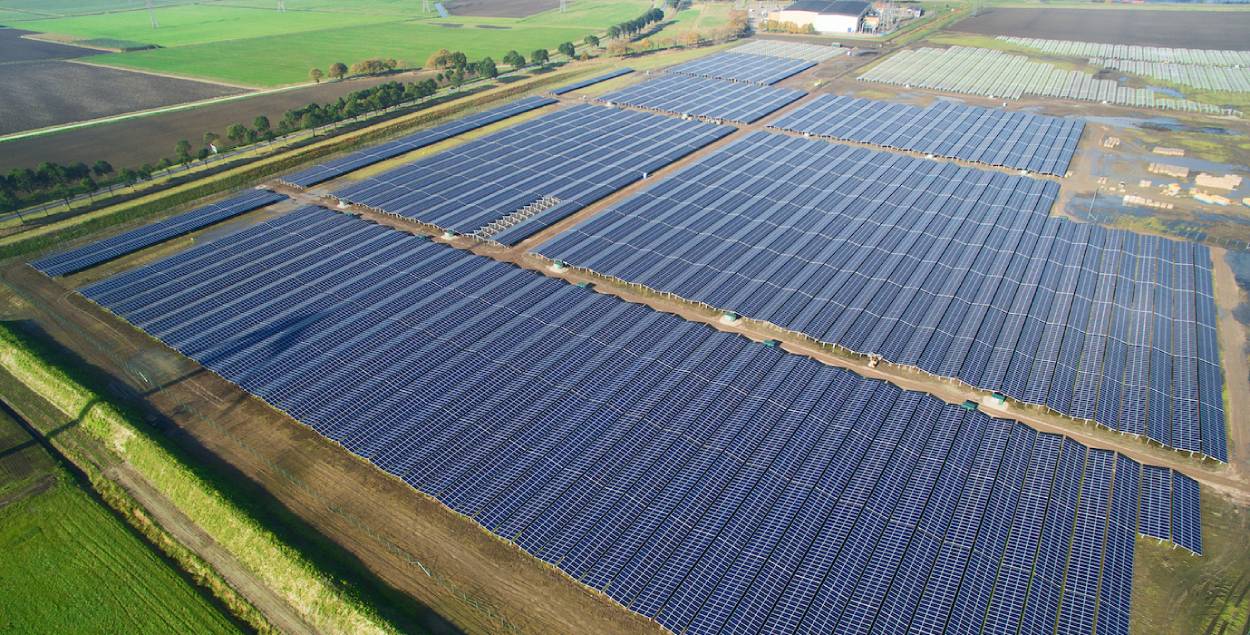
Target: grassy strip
59 233
313 594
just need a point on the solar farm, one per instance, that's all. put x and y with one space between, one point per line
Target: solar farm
771 338
997 74
1034 143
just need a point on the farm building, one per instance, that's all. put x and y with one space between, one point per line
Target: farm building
837 16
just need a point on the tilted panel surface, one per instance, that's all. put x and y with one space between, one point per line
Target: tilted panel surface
792 50
957 271
1000 75
87 256
702 97
1020 140
512 183
415 141
742 67
568 88
696 477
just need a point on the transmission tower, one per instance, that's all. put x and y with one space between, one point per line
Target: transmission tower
282 6
564 5
152 15
425 6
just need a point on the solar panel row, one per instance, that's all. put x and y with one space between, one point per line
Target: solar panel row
792 50
510 184
742 67
956 271
1170 507
568 88
102 251
701 97
1021 140
338 167
703 480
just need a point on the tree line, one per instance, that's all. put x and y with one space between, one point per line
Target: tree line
633 27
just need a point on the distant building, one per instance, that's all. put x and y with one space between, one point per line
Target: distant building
837 16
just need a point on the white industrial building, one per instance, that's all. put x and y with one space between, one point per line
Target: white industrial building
836 16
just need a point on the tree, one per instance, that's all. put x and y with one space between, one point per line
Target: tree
183 151
316 75
261 124
101 168
130 176
513 59
568 49
439 59
202 154
237 133
338 70
591 41
486 68
614 31
539 56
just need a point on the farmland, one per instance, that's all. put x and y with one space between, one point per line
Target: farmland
224 43
50 92
70 565
287 58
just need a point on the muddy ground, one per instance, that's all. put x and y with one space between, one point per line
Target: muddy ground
1190 28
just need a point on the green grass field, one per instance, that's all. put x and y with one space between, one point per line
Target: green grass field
69 565
285 59
247 42
200 24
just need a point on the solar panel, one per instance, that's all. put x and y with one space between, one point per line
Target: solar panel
957 271
700 97
742 67
696 477
338 167
102 251
1020 140
792 50
568 88
511 184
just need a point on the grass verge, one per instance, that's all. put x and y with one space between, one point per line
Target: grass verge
323 602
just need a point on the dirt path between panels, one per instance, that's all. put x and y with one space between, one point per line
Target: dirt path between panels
410 541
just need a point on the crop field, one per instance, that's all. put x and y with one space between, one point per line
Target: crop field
15 48
199 24
136 141
225 43
500 8
49 92
70 566
54 8
287 58
1188 28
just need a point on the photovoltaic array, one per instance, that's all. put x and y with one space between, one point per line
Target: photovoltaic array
956 271
698 478
702 97
417 140
568 88
99 252
792 50
1000 75
1020 140
515 182
742 67
1170 509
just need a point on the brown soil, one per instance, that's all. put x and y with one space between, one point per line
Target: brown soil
409 540
148 139
43 93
